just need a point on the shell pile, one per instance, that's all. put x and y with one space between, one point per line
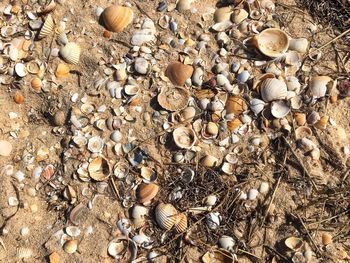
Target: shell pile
163 119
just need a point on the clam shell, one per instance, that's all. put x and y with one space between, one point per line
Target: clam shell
173 98
70 246
47 27
293 243
326 239
146 192
5 148
273 89
257 106
239 15
187 114
235 105
178 73
209 161
139 211
95 144
148 174
117 18
99 169
299 44
272 42
181 224
33 67
302 132
166 216
280 109
184 137
318 85
222 14
62 70
226 242
183 5
70 53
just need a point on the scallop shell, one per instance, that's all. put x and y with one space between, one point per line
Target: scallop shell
293 243
70 246
209 161
280 109
273 89
178 73
235 105
173 98
99 169
62 70
272 42
299 44
222 14
184 137
146 192
70 53
116 18
318 85
181 224
166 216
47 27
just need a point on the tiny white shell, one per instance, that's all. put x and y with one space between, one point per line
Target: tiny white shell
264 188
226 242
20 70
139 211
252 194
213 220
211 200
124 226
116 136
72 231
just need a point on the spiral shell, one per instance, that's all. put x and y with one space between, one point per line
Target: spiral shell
173 98
116 18
271 42
146 192
47 27
273 89
184 137
71 53
178 73
166 216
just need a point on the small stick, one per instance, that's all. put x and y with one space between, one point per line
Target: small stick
330 218
248 253
278 253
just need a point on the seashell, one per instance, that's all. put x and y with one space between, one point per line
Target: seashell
146 192
243 76
87 108
313 117
62 70
54 257
280 109
252 194
293 84
271 42
24 253
178 73
181 223
48 7
124 226
183 5
213 220
36 84
48 172
5 148
70 246
178 157
299 44
148 174
273 89
187 114
99 169
222 26
264 188
139 211
226 242
72 231
222 14
318 86
173 98
47 28
315 54
209 161
234 124
302 132
184 137
20 70
300 118
227 168
235 105
131 90
210 130
116 136
95 144
296 102
257 106
211 200
120 71
80 141
239 15
62 39
322 123
326 239
33 67
218 256
117 18
166 216
70 53
117 248
293 243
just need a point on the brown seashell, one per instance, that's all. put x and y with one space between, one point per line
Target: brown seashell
271 42
204 94
222 14
181 223
47 27
166 216
209 161
48 172
322 123
184 137
300 118
18 98
173 98
36 84
234 124
107 34
235 105
116 18
333 98
62 70
326 239
54 257
293 243
146 192
99 169
178 73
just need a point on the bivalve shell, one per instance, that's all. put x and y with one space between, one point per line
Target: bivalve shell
273 89
117 18
182 223
235 105
183 5
293 243
318 85
226 242
62 70
239 15
299 44
173 98
279 109
326 239
222 14
272 42
36 84
257 106
184 137
99 169
71 53
178 73
5 148
70 246
209 161
24 253
146 192
166 216
47 27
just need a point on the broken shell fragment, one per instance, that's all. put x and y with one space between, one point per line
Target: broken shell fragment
302 132
209 161
117 18
322 123
299 44
99 169
173 98
184 137
178 73
213 220
183 5
272 42
166 216
181 223
146 192
226 242
257 106
47 27
273 89
70 53
326 239
239 15
235 105
293 243
222 14
318 85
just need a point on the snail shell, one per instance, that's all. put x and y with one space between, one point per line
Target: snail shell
178 73
271 42
116 18
166 216
273 89
71 53
47 27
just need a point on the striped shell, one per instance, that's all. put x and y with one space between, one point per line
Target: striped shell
24 252
47 27
116 18
146 192
181 224
166 216
178 73
273 89
62 70
71 53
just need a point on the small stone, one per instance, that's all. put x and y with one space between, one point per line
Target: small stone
252 194
197 77
141 66
5 148
59 118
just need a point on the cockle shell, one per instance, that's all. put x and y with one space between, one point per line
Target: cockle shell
239 15
47 27
273 89
235 105
70 246
272 42
293 243
95 144
178 73
318 85
279 109
181 224
116 18
146 192
257 106
209 161
62 70
36 84
166 216
70 53
173 98
184 137
99 169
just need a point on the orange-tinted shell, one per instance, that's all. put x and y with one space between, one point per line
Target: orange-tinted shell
62 70
166 216
300 118
18 98
178 73
36 83
326 239
116 18
48 172
107 34
54 257
146 192
236 105
234 124
181 224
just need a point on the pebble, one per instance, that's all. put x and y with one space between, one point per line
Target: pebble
252 194
141 65
197 77
243 76
59 118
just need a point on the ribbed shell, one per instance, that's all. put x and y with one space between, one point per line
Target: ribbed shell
71 53
181 224
47 27
178 73
116 18
166 216
273 89
62 70
36 83
146 192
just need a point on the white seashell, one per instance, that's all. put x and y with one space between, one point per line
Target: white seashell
24 231
141 239
296 102
13 201
20 176
141 66
184 137
87 108
313 117
264 188
318 85
166 216
222 80
273 89
213 220
178 157
71 53
299 44
95 144
20 70
116 247
116 136
72 231
24 253
139 211
257 106
120 72
37 173
227 168
98 11
279 109
226 242
216 105
222 26
124 226
252 194
47 27
143 36
62 39
243 196
293 84
80 141
197 77
211 200
131 90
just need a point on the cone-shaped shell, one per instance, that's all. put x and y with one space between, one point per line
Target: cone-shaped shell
178 73
36 83
47 27
99 169
272 42
62 70
70 53
116 18
184 137
181 224
173 98
146 192
236 105
273 89
318 85
166 216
